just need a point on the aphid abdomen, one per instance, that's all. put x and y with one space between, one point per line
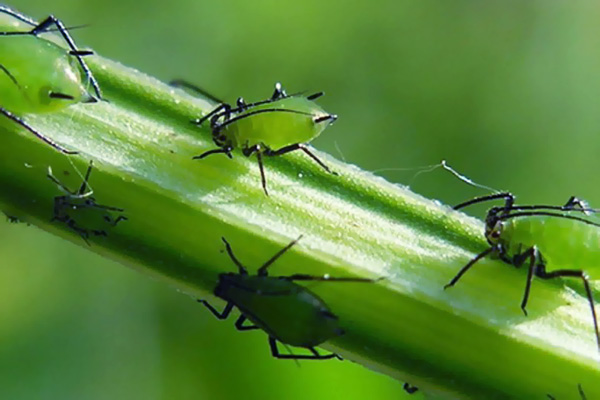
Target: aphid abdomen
563 243
285 310
272 129
32 69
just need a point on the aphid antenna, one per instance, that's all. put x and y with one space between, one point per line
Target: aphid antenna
508 197
54 30
422 169
262 271
182 83
327 278
10 76
40 136
570 206
17 15
242 270
547 214
339 150
82 193
466 179
65 189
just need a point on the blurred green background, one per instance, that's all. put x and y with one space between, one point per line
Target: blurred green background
506 91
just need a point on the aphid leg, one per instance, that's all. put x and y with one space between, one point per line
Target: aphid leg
410 389
84 184
473 261
220 315
315 356
572 273
551 397
262 271
241 104
279 93
535 262
327 278
51 20
581 393
575 203
114 222
20 17
241 268
224 150
71 223
25 125
99 233
304 148
258 150
508 197
239 324
181 83
263 179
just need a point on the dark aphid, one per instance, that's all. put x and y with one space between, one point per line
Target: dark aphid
581 394
562 239
80 212
410 389
272 127
39 76
286 311
11 218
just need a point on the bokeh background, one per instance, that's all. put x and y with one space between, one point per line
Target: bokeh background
506 91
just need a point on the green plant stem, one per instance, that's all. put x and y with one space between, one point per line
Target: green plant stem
470 341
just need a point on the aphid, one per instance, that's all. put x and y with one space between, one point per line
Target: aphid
38 76
551 237
273 127
581 393
81 205
410 389
11 218
286 311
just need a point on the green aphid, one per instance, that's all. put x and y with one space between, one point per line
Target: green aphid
79 211
286 311
553 241
581 394
39 76
273 127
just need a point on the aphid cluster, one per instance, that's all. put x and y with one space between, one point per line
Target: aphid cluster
37 75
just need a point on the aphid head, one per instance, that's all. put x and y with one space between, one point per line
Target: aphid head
225 280
221 138
493 226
